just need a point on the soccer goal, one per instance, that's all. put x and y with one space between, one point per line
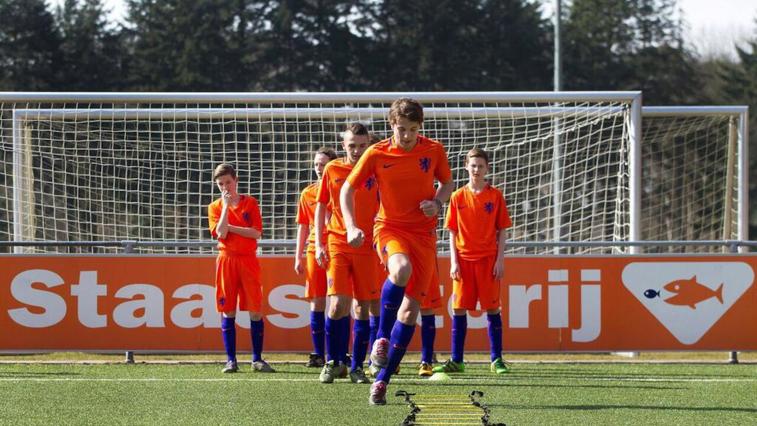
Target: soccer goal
694 175
111 167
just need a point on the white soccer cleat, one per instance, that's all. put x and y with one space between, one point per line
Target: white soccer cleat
380 352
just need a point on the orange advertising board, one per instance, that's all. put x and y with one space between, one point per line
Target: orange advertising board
550 303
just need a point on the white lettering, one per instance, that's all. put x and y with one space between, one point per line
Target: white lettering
299 310
183 313
87 292
125 314
22 290
520 298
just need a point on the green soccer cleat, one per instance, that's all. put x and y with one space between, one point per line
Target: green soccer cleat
499 366
450 366
262 367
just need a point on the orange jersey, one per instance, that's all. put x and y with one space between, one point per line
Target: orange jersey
366 198
306 212
246 214
405 178
476 219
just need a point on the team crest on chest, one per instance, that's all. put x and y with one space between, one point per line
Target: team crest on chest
489 207
370 183
425 164
246 216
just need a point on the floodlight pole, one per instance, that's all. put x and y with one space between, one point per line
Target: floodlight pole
556 153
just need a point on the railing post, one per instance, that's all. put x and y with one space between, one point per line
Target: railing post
733 247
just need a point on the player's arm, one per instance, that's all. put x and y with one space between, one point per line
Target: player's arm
302 235
499 265
320 224
355 235
247 232
222 226
454 264
434 206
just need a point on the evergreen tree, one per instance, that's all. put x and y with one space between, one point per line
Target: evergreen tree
29 46
92 54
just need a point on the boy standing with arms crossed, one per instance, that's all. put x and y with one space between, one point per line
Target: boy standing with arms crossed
234 219
315 276
405 168
477 219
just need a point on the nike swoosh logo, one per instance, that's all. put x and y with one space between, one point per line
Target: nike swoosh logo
386 166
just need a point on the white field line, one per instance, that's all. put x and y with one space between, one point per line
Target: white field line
472 381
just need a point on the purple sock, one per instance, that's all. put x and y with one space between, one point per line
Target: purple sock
374 321
495 335
360 343
428 334
317 332
256 331
459 328
229 333
333 330
400 338
344 338
391 298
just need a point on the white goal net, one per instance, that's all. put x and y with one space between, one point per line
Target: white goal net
109 167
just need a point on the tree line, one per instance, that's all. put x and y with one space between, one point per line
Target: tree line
367 45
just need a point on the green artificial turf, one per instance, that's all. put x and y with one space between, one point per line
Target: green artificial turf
596 393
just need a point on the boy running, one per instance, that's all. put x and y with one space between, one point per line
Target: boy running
234 219
315 276
477 219
405 168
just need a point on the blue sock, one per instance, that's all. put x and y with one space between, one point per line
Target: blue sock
428 335
400 338
391 298
374 321
495 335
317 332
229 333
256 331
333 346
360 343
459 328
344 338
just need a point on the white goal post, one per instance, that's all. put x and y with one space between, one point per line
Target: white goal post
105 167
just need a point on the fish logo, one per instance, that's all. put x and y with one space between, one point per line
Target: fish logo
425 164
688 297
690 292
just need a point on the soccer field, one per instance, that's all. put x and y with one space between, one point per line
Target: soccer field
534 393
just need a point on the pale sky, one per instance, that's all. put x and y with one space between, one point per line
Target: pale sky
714 25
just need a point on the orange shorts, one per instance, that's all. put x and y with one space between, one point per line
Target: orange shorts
238 283
315 278
354 274
420 248
433 298
477 283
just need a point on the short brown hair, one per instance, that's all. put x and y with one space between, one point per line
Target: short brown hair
406 108
478 153
357 129
224 169
327 151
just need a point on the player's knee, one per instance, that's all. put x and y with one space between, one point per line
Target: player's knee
361 310
494 311
400 269
318 304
